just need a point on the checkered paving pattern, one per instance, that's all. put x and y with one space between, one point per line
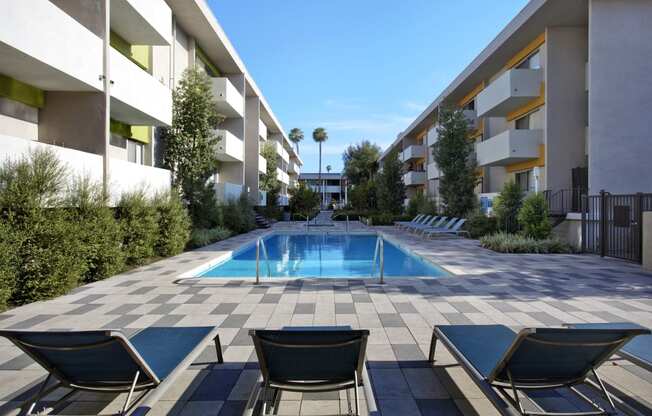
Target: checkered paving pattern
483 288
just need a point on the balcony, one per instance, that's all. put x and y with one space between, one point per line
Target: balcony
414 178
229 100
415 151
474 121
229 148
262 164
282 176
511 90
142 22
293 168
33 36
280 150
225 191
262 130
511 146
432 136
137 98
433 171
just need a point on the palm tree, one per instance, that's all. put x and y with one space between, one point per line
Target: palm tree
296 135
329 168
320 135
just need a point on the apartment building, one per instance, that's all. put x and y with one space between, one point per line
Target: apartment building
333 187
53 93
557 101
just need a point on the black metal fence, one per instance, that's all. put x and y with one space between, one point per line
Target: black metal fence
563 201
612 224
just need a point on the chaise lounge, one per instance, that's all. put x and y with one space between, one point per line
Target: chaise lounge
107 361
452 228
313 359
414 220
506 365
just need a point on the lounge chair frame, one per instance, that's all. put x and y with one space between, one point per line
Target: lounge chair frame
360 376
114 336
513 405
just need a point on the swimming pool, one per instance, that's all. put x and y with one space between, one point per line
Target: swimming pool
323 255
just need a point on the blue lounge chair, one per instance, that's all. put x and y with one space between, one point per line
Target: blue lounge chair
310 360
428 223
405 223
434 224
505 365
444 226
108 361
455 229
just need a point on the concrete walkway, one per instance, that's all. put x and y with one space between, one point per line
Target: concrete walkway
484 288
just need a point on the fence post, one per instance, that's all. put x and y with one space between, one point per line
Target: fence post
603 223
584 209
638 210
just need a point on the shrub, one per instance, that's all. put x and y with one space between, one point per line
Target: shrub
100 233
8 263
238 215
419 204
303 200
516 243
506 206
387 219
271 212
363 196
479 225
203 236
173 226
533 217
139 221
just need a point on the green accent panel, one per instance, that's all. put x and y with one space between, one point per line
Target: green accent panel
21 92
211 69
141 133
120 128
138 54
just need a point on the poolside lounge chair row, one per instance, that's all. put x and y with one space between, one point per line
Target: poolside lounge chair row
505 365
429 225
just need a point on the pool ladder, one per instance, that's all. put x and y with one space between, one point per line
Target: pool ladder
261 243
379 251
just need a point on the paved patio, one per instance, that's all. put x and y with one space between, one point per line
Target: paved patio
484 288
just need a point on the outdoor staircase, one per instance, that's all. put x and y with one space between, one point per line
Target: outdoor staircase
262 222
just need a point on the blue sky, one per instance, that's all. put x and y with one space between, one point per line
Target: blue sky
363 69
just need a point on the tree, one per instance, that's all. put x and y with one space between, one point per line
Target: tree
361 162
534 217
329 168
269 181
391 189
452 153
190 142
507 205
296 135
303 200
320 135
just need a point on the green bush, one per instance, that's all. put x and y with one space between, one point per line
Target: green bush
420 204
173 225
506 207
238 215
387 219
534 217
363 196
271 212
479 224
139 220
516 243
100 233
203 236
8 263
303 200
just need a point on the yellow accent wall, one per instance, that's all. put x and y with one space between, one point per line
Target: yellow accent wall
525 52
138 54
529 107
479 131
471 95
19 91
540 161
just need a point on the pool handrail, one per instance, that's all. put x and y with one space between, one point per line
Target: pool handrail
380 248
261 242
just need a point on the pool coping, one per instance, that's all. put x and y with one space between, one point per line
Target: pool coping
192 274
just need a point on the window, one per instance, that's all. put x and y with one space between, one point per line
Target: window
529 121
523 180
531 62
470 105
135 152
523 123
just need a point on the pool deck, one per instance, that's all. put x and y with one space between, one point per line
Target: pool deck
485 288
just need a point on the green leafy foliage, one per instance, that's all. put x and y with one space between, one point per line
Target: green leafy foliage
534 217
204 236
479 224
191 140
363 196
506 207
303 200
361 162
391 189
453 154
173 225
269 181
139 220
516 243
386 219
8 262
99 233
238 215
419 204
295 136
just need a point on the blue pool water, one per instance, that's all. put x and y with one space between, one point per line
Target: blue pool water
323 255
